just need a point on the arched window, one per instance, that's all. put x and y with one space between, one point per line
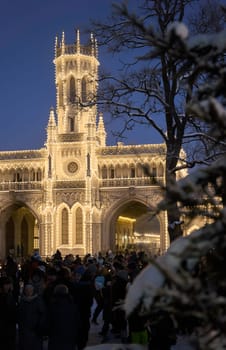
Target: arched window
154 171
32 175
71 124
112 172
19 176
72 90
132 171
64 226
84 90
104 172
39 175
79 226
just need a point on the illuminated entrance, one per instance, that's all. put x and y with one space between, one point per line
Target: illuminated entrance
19 230
134 228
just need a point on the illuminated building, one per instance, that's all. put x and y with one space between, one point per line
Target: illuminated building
77 194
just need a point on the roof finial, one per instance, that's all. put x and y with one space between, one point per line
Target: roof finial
63 43
63 39
56 45
78 41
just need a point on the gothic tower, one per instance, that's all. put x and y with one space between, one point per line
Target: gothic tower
72 141
76 73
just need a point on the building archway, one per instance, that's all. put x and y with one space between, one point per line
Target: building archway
19 231
130 227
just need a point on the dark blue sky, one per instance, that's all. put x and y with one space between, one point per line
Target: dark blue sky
27 91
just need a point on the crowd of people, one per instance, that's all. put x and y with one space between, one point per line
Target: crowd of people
53 300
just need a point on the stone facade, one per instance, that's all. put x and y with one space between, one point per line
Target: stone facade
77 194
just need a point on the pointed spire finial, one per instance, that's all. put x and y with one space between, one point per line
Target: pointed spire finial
52 121
63 38
78 36
56 46
78 41
63 43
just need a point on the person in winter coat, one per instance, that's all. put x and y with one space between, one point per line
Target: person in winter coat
119 290
31 319
7 315
63 320
84 293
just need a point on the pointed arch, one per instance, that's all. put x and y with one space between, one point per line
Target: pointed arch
64 226
111 171
39 174
132 171
78 224
84 88
104 172
72 90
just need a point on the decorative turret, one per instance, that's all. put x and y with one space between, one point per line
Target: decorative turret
101 133
51 128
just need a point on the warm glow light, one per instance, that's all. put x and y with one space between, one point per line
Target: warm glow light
124 218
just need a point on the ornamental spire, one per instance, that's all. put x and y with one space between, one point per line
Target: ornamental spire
56 45
101 131
78 41
63 43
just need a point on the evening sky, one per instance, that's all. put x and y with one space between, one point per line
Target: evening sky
27 91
